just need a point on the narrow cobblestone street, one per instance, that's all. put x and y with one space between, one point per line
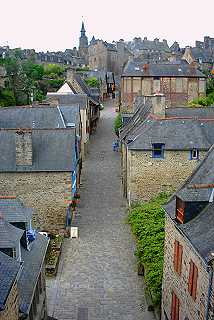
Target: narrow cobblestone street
97 277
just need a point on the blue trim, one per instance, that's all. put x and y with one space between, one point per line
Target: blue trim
159 146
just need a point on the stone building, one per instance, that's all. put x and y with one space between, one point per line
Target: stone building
161 148
41 166
108 57
180 83
22 255
188 285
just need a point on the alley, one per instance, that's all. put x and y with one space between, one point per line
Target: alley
97 277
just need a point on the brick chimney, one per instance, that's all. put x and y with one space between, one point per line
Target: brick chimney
24 154
158 104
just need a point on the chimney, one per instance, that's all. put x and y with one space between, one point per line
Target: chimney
173 58
158 104
24 147
156 40
188 55
146 67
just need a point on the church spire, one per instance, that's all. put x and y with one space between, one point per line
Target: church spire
83 30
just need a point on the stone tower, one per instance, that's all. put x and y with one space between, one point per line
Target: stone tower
83 44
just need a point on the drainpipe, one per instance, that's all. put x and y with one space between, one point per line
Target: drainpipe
209 291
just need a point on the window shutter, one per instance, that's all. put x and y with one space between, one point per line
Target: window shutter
180 254
175 307
190 277
194 282
176 255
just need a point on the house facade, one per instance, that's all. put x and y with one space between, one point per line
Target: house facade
180 83
160 151
41 166
188 285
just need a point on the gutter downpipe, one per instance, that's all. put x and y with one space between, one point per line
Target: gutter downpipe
209 291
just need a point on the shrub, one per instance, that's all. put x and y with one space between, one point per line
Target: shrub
118 124
147 224
7 98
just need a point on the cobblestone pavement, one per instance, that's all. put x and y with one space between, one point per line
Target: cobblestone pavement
97 277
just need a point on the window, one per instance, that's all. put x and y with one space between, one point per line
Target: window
193 278
175 307
180 207
178 252
156 78
194 154
158 150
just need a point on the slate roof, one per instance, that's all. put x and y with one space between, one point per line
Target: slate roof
135 67
53 150
30 117
205 55
9 269
85 88
176 134
10 235
198 113
33 261
13 210
71 114
69 98
142 110
200 230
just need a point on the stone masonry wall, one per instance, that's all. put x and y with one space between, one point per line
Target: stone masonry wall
189 308
48 193
147 176
11 311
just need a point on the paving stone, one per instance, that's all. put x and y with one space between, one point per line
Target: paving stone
98 271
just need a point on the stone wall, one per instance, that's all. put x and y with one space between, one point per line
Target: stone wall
11 311
147 176
179 283
49 193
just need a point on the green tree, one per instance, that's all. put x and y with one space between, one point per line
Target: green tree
92 82
7 98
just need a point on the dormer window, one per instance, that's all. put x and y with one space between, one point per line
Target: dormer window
158 150
180 207
194 154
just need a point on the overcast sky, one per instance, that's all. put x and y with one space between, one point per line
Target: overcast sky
55 25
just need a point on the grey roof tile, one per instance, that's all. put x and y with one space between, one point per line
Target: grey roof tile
13 210
53 150
135 67
10 235
9 269
33 261
30 117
